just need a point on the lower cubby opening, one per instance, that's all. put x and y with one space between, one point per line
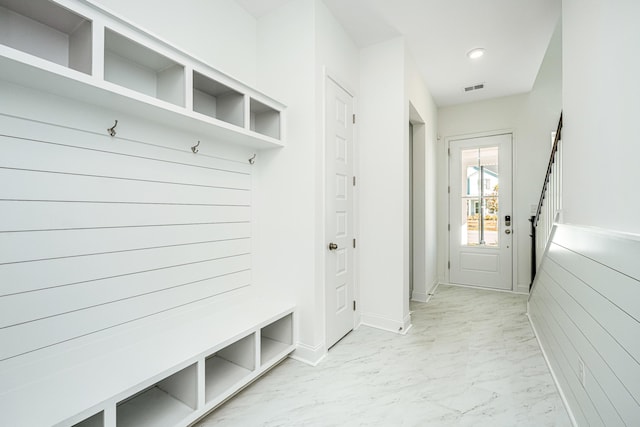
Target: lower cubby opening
229 366
96 420
166 403
276 338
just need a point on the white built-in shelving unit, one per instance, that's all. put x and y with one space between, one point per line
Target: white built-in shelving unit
172 372
264 119
75 49
230 366
96 420
130 64
275 338
166 403
181 366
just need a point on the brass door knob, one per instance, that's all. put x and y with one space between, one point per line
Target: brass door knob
333 246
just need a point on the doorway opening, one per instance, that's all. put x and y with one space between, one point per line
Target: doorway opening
416 245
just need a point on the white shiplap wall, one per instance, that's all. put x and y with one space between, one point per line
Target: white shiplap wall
585 308
97 232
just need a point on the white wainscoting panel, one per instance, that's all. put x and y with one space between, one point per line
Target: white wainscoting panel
98 232
585 308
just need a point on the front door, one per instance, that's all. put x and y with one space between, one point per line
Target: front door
480 237
339 212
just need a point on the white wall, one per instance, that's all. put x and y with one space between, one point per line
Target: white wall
296 42
219 32
285 199
601 110
383 134
532 117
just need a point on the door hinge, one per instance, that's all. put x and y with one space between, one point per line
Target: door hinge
448 151
448 227
354 243
449 189
448 265
354 119
354 181
354 305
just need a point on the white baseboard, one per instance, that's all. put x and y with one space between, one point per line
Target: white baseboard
483 288
553 374
309 355
522 288
386 324
425 296
419 296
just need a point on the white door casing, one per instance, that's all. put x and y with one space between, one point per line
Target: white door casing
339 277
480 211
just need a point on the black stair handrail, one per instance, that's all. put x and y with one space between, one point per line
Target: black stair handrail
536 218
552 160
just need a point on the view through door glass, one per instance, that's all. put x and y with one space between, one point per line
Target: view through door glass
480 197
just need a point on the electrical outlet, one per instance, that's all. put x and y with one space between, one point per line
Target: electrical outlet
581 371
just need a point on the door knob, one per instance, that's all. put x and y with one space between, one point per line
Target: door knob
507 231
333 246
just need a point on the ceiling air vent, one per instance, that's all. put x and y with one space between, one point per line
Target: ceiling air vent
474 87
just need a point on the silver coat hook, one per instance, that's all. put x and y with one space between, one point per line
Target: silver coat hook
195 147
112 129
253 159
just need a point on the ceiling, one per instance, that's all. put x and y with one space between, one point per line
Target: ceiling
439 33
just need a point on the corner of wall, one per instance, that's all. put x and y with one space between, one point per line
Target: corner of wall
310 355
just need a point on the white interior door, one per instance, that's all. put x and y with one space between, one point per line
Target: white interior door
339 212
480 212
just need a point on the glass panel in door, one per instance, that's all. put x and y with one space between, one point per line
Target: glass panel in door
480 197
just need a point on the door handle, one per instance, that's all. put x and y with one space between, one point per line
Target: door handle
333 246
507 231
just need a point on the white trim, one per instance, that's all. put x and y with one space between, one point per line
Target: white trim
419 296
386 324
328 74
553 374
425 297
522 288
482 288
309 355
407 324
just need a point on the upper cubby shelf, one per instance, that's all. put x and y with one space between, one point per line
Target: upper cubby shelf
132 65
217 100
48 31
75 49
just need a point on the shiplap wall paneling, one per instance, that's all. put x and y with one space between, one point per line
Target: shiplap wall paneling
585 309
97 231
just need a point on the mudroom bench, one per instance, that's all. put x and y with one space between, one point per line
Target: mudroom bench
165 370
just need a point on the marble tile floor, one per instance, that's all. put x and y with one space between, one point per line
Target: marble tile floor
470 359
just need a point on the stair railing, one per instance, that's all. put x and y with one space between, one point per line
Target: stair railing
549 205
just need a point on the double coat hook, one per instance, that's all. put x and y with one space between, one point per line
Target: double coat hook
112 129
195 147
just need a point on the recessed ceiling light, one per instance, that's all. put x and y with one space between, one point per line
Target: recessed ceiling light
475 53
